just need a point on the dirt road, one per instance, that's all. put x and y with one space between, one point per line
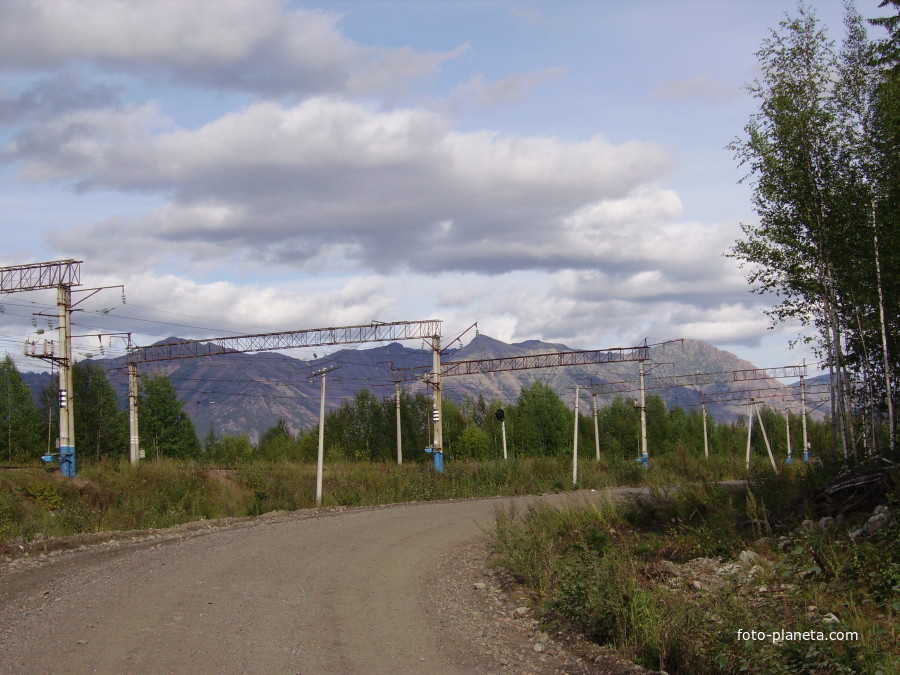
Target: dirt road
328 592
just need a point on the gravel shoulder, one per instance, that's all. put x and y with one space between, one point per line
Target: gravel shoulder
396 589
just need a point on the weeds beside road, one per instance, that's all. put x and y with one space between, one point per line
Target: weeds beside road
676 584
109 496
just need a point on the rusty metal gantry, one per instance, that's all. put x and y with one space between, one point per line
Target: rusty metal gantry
238 344
60 275
527 362
697 379
262 342
724 377
39 276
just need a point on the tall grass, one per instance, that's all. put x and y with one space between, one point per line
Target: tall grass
595 569
114 495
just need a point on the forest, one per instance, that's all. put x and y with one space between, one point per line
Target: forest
822 156
538 424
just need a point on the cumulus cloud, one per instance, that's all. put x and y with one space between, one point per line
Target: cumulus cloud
258 46
385 190
240 308
50 96
320 209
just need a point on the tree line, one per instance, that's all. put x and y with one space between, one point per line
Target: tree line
538 423
823 159
30 429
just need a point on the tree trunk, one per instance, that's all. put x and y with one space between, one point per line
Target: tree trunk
884 344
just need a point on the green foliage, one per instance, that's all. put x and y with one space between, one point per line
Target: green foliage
228 450
116 495
277 443
101 428
46 495
822 157
473 443
594 569
165 429
275 487
20 426
541 423
12 512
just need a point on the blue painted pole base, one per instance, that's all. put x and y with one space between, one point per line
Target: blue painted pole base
438 458
789 460
806 456
67 461
645 460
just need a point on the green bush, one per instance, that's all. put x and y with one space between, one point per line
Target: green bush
46 495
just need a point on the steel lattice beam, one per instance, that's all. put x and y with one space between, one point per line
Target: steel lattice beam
262 342
38 276
696 379
786 393
528 362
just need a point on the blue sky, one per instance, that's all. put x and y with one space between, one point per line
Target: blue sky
551 170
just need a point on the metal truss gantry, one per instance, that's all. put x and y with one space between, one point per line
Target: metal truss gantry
429 329
790 393
38 276
697 379
60 275
527 362
262 342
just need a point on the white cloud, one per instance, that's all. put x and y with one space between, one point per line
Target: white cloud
245 307
286 185
250 45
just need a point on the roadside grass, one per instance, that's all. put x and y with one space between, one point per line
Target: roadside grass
114 495
619 573
593 568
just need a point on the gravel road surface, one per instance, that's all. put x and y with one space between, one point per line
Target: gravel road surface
397 589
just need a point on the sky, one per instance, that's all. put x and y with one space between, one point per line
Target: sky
549 170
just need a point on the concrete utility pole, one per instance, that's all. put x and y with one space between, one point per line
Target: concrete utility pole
376 331
399 427
766 439
529 362
705 433
575 441
437 445
751 409
61 275
749 431
787 428
134 448
803 418
66 387
645 456
596 425
320 462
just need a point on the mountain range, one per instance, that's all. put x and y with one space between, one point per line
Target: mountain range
237 393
